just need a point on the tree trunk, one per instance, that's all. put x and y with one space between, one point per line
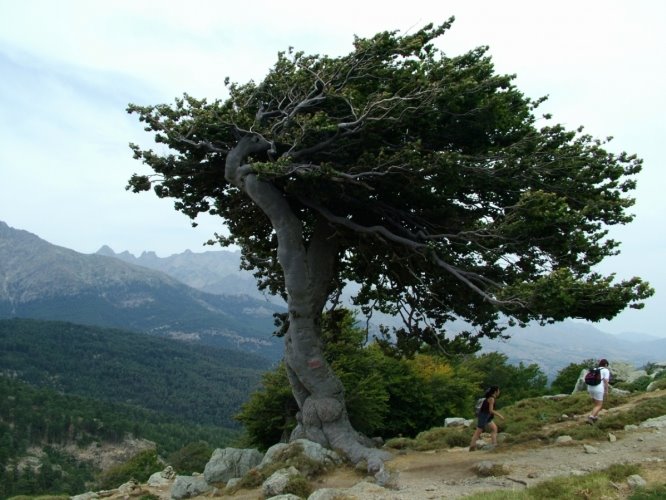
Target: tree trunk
308 271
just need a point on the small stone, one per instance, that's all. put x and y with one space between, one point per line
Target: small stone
612 437
635 481
590 449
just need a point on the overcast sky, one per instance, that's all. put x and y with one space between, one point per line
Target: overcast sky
69 68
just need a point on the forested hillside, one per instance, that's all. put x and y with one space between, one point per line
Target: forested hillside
203 385
45 421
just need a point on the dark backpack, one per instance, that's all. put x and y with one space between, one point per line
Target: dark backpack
593 376
477 406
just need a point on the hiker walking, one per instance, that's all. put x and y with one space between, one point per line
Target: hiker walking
485 418
599 391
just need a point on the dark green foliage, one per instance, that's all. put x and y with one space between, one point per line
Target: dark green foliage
140 467
269 414
654 493
191 458
201 384
640 384
515 382
41 417
387 396
451 198
566 378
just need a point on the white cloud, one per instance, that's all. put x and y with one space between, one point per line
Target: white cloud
69 68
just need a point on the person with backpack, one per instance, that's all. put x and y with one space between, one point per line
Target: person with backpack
486 414
598 387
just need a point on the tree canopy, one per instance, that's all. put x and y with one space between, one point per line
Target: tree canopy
447 199
426 178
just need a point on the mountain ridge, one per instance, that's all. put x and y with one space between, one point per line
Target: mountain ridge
44 281
550 346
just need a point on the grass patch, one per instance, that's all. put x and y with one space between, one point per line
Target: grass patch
434 439
648 408
653 493
527 421
594 486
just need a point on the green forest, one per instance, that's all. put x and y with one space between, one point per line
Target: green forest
203 385
31 416
64 384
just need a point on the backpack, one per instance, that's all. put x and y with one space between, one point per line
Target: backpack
477 406
593 376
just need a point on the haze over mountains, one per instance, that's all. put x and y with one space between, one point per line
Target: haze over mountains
42 281
205 297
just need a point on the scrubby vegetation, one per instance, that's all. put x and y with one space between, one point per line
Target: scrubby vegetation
42 418
595 486
390 392
401 395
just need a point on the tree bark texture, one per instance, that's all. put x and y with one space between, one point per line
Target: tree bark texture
308 270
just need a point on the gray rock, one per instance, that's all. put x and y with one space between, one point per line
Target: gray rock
288 496
590 449
227 463
563 439
635 481
484 468
85 496
313 451
456 422
654 423
363 490
162 478
189 486
233 482
277 482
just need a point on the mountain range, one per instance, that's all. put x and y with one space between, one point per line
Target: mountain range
552 347
43 281
206 297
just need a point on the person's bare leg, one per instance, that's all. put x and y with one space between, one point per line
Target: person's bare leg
477 434
493 433
597 408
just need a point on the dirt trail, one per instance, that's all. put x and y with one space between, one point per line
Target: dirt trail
450 473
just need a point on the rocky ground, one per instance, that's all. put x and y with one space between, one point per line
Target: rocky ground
451 473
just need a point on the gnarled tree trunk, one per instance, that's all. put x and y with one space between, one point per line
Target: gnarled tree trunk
307 271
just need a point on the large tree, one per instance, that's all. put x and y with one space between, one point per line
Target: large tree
422 177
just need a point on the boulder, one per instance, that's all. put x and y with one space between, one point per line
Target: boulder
277 482
313 451
189 486
456 422
228 463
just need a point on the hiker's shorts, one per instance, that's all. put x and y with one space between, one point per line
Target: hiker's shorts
484 419
596 392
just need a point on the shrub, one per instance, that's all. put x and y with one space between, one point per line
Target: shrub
566 378
139 468
652 493
638 385
191 458
299 486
